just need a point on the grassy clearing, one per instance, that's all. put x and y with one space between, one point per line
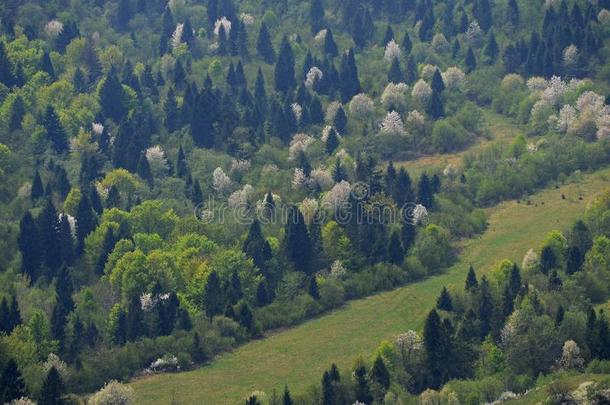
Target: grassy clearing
298 356
500 129
572 382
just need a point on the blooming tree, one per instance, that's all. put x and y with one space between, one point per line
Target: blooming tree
113 393
247 19
177 36
474 34
299 179
440 43
299 143
392 51
320 36
322 178
338 196
422 92
226 24
297 111
571 357
309 209
331 111
242 198
337 270
395 96
220 181
392 125
361 106
453 78
570 56
313 77
156 160
53 28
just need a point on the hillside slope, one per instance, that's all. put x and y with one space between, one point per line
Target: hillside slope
298 356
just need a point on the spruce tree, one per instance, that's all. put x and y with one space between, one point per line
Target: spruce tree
471 283
48 226
389 36
172 115
286 398
297 245
55 131
407 44
438 85
332 141
340 120
212 296
53 389
107 246
380 373
37 190
284 68
349 83
136 326
264 45
256 246
6 67
491 48
482 13
313 289
143 170
5 318
574 260
436 345
197 195
444 301
113 200
167 29
316 14
30 246
471 61
181 165
328 390
330 46
396 252
362 391
112 98
436 108
12 384
548 260
395 74
425 195
513 13
17 113
262 296
66 241
485 308
86 222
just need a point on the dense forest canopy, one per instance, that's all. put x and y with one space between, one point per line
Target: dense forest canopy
179 177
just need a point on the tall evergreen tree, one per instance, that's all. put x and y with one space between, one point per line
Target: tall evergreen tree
172 115
380 373
144 171
362 391
6 67
444 301
513 13
167 29
471 283
12 384
55 131
349 83
17 113
471 61
284 68
264 45
256 246
548 260
107 246
482 13
212 296
52 391
396 253
313 289
112 98
491 48
425 195
436 108
86 222
66 241
395 74
437 348
29 246
37 190
297 245
407 44
48 226
286 397
437 84
316 14
330 46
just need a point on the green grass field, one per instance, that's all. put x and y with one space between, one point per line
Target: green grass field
499 128
298 356
572 382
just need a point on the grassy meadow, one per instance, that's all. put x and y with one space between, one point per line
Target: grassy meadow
298 356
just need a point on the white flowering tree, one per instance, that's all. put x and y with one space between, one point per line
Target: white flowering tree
322 178
243 198
331 111
422 92
361 106
453 78
53 28
113 393
338 196
392 125
297 112
313 77
474 34
299 143
220 181
225 23
571 357
309 208
177 36
392 51
157 160
394 96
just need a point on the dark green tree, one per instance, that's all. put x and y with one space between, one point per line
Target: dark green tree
284 68
407 44
396 253
212 296
548 260
349 83
471 283
574 260
37 187
136 326
143 170
313 289
264 45
332 142
437 349
330 46
17 113
66 240
29 246
112 98
297 245
52 391
48 226
380 373
256 246
512 13
12 384
107 246
491 48
55 131
316 14
471 61
444 301
395 74
485 308
286 398
86 221
438 85
482 13
262 296
436 108
6 67
362 391
172 114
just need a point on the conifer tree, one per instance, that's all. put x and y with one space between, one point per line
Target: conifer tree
66 241
411 73
286 398
264 45
37 190
349 83
167 29
107 246
389 36
424 191
328 390
256 246
29 246
262 296
55 131
212 296
574 260
491 48
17 113
548 260
395 74
436 345
471 283
181 165
143 170
297 245
471 62
12 384
284 68
437 84
380 373
362 391
5 318
6 67
172 115
396 252
436 108
112 98
48 226
482 13
86 222
316 14
113 200
444 301
330 46
485 308
513 13
332 141
313 289
53 389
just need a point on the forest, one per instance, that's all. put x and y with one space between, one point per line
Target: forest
181 178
